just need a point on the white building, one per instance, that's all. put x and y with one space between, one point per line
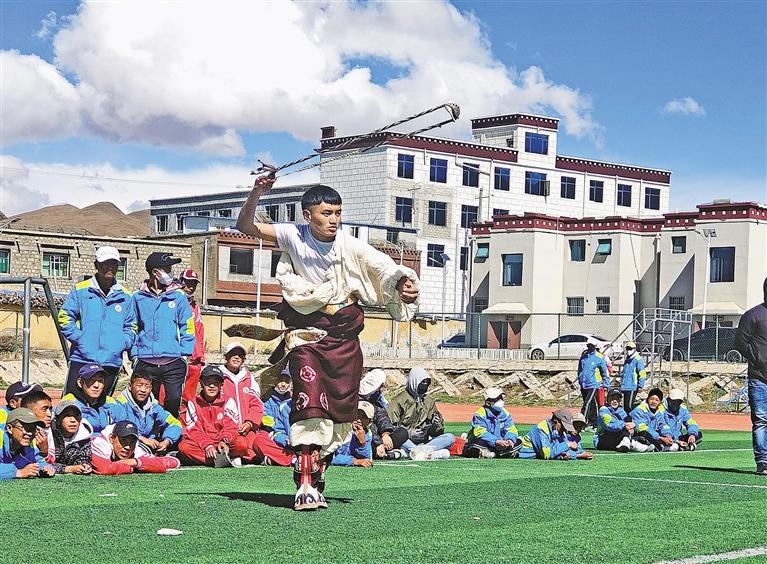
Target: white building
441 186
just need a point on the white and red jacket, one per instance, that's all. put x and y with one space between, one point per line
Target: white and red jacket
105 463
198 355
246 393
207 424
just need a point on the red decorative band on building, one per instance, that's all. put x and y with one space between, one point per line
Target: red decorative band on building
515 119
612 169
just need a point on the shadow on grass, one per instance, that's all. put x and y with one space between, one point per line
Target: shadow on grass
270 499
712 469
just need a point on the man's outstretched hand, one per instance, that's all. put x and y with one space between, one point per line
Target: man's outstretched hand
266 177
407 290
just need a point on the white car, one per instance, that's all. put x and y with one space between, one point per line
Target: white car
565 346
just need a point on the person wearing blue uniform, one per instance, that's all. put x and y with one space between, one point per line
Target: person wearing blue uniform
614 426
276 419
574 440
592 376
98 318
492 431
633 376
548 439
98 410
158 429
652 431
19 458
684 428
166 330
358 451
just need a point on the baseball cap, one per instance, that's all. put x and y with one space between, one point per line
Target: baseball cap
189 274
566 417
235 345
63 405
125 429
630 345
492 393
284 375
578 417
367 408
88 371
23 415
676 395
104 254
372 381
211 372
20 389
592 341
160 260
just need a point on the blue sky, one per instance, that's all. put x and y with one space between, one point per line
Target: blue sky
677 85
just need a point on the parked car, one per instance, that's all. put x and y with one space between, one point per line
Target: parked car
457 341
565 346
706 345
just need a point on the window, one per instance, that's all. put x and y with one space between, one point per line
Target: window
652 198
677 302
434 255
568 187
437 213
162 223
722 264
355 231
273 210
500 211
403 210
679 245
483 251
56 265
536 143
405 166
468 215
535 183
464 259
438 170
596 190
5 261
203 214
603 304
578 250
180 221
502 178
392 236
624 195
605 247
471 175
512 270
575 306
122 269
275 261
225 213
480 305
290 211
240 261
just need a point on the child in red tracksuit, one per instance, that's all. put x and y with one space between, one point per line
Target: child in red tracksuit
189 281
115 452
247 409
208 430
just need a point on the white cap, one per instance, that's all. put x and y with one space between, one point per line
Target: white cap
234 345
372 381
675 395
104 254
367 408
492 393
592 341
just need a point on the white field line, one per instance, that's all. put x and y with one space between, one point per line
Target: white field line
734 555
662 480
698 451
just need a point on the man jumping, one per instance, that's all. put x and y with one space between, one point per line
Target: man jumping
326 276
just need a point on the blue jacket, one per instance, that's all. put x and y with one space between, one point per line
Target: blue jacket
609 420
347 452
487 426
152 420
574 452
99 327
543 442
682 421
10 462
277 418
592 371
165 324
101 415
633 374
654 424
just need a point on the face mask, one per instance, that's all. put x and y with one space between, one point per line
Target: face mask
163 277
423 387
498 406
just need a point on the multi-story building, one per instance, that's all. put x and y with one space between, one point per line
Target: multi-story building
441 187
712 261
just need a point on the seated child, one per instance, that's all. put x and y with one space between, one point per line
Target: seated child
276 419
69 440
652 432
684 428
100 411
158 429
116 450
577 452
548 439
18 456
614 427
359 450
492 432
39 403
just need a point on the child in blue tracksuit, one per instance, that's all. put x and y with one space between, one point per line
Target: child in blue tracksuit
684 428
158 429
548 439
359 450
614 426
592 376
98 410
652 431
19 458
492 432
574 439
276 419
633 376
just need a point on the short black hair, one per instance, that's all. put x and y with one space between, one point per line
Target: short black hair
319 194
33 397
140 374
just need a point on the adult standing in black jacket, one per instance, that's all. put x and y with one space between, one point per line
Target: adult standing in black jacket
751 341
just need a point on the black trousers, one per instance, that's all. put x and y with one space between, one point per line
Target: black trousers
170 376
74 373
629 398
610 439
590 408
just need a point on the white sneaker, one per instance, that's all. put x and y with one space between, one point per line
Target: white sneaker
636 446
421 453
674 447
624 445
237 462
441 453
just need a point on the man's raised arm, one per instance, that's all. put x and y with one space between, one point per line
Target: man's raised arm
245 221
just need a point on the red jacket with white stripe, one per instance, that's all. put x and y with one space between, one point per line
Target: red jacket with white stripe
246 393
198 355
105 463
207 424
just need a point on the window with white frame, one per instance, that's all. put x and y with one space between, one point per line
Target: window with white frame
502 178
469 215
512 269
290 210
438 170
679 245
392 236
403 210
603 304
437 213
652 198
122 269
405 166
536 143
180 221
240 261
500 211
624 195
5 261
722 264
56 265
577 250
596 190
575 305
434 255
162 223
567 187
273 210
470 175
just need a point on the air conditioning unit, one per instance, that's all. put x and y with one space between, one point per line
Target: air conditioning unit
546 187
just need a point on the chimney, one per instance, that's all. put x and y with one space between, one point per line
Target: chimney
328 132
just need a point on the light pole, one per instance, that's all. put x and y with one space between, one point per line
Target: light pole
445 260
707 235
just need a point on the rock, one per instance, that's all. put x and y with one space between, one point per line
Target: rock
536 387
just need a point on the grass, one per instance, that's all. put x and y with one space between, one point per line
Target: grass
456 510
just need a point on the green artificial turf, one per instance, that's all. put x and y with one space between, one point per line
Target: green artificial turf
457 510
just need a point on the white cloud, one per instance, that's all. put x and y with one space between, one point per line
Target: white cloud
193 74
686 106
47 24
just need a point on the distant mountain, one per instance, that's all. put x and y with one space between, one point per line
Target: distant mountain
102 218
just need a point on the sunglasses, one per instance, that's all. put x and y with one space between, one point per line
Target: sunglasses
27 430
